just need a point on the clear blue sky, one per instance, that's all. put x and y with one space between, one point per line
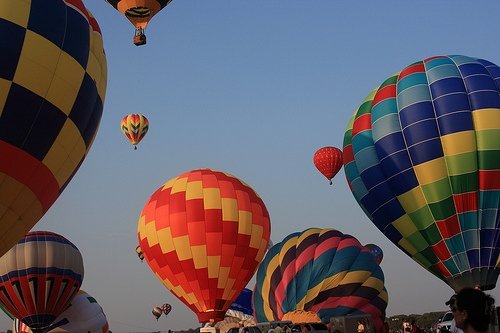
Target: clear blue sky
252 88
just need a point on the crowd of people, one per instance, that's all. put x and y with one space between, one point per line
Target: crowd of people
473 312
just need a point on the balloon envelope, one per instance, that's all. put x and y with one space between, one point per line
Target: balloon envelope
139 13
243 302
52 99
84 315
321 271
138 251
157 312
134 127
40 275
376 251
422 158
209 227
166 308
328 161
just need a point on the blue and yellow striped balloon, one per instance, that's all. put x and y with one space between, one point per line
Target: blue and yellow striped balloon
422 158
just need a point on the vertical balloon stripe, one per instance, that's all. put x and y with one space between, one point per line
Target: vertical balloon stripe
479 81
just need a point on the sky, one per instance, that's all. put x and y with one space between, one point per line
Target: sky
252 88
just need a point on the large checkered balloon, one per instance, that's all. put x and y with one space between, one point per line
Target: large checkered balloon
203 234
52 88
422 158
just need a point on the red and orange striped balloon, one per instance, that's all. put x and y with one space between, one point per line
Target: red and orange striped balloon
203 234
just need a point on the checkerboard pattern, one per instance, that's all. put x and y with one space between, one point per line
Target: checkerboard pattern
52 88
422 158
203 234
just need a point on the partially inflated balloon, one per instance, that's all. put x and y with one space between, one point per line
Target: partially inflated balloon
134 127
321 271
422 158
376 251
84 315
39 277
52 88
139 13
203 234
328 161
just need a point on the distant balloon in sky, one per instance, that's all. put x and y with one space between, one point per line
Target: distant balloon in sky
328 160
422 158
319 271
40 276
139 13
205 226
138 251
134 127
376 251
166 308
157 312
51 100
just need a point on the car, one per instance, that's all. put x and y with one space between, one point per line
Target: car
311 328
444 324
246 329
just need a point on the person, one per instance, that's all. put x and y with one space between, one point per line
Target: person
414 327
240 327
472 310
278 328
406 326
361 327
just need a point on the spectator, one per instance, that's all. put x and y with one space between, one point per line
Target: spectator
361 327
472 310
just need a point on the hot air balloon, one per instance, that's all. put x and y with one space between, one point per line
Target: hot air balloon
134 127
52 99
422 158
328 160
320 272
243 302
139 13
39 277
376 251
157 312
203 233
139 252
84 315
166 308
